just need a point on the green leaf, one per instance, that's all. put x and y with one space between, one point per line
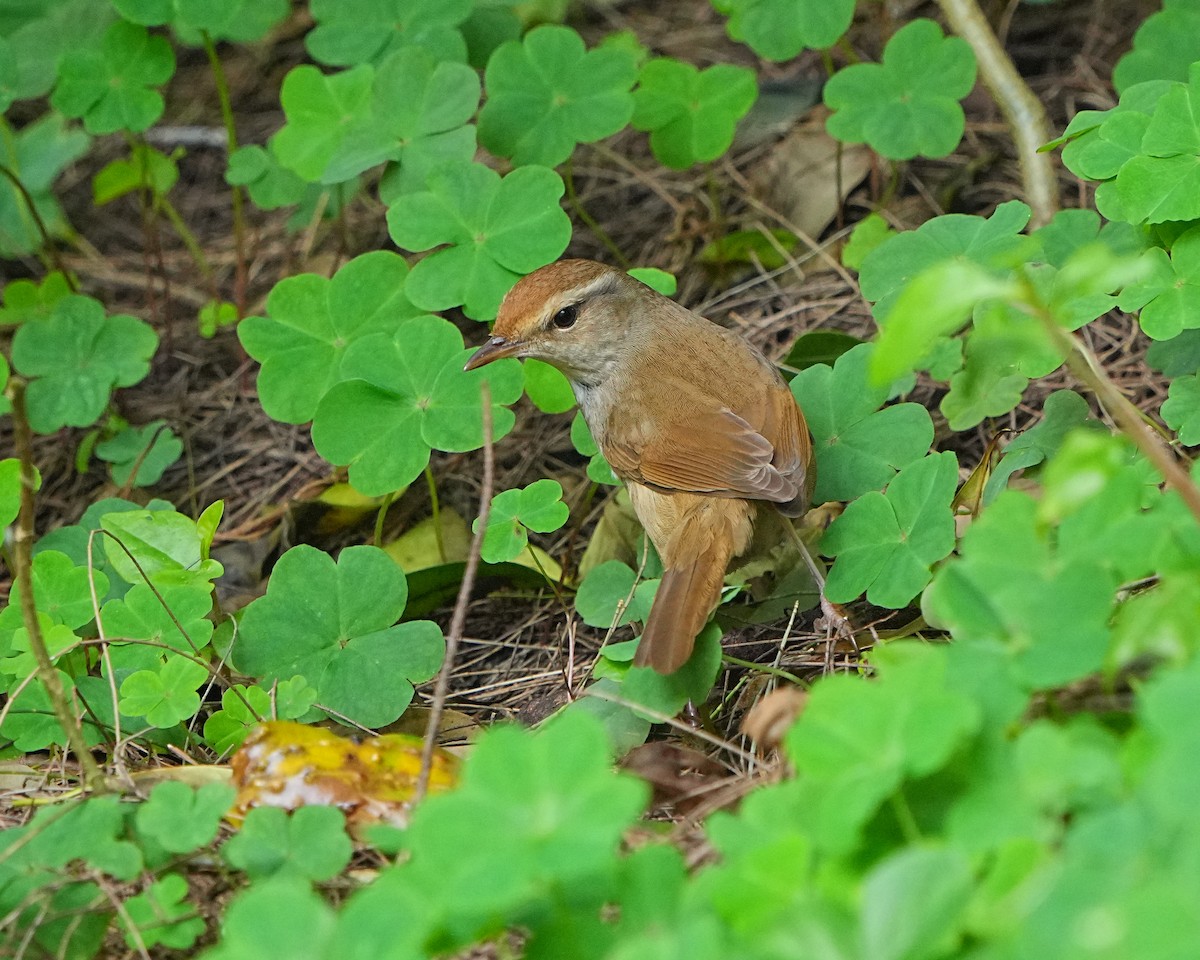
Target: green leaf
112 88
658 280
49 29
856 742
871 231
418 118
497 231
225 729
780 29
167 546
181 819
1165 45
151 449
311 321
143 614
281 917
268 182
146 167
164 697
61 589
162 915
343 639
547 93
913 902
321 111
1063 411
691 115
37 154
885 543
546 808
1181 409
244 21
609 587
75 357
361 31
410 395
10 489
310 842
537 507
1169 294
906 106
1008 585
547 387
858 446
995 242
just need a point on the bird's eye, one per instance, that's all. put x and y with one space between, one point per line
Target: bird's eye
566 317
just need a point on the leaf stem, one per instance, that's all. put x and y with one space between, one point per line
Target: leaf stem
93 776
459 617
47 243
588 220
1022 110
239 219
436 510
1128 417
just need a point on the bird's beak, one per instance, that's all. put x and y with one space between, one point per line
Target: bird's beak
495 349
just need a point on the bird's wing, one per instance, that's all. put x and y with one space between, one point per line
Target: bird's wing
719 452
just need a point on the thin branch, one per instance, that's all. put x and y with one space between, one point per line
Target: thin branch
93 776
1127 416
47 240
459 617
1022 110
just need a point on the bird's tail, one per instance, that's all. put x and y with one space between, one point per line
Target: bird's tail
688 594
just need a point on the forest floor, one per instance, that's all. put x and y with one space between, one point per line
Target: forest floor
521 657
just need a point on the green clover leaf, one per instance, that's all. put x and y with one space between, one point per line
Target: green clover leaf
311 321
268 182
855 743
343 638
310 842
1162 181
349 32
417 119
242 21
1063 411
990 243
538 507
24 299
166 696
321 111
858 446
547 93
1164 47
145 167
62 590
610 587
111 88
885 543
181 819
75 357
143 614
169 548
906 106
162 915
37 154
1181 409
151 449
563 772
1169 295
547 387
498 231
1009 584
410 396
691 115
780 29
38 40
10 489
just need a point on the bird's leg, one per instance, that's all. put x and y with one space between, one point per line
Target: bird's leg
835 615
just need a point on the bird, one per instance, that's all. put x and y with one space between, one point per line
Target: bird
696 421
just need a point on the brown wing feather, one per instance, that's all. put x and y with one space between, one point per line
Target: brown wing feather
719 452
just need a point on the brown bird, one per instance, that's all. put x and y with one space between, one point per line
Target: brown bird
695 420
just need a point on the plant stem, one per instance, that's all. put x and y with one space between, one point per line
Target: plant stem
436 510
588 219
93 776
1128 417
459 617
239 219
1022 110
381 516
47 242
